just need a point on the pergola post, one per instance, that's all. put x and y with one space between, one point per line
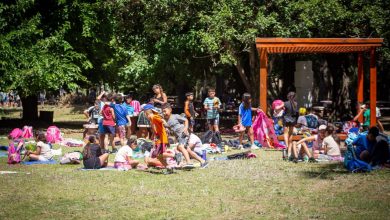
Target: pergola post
360 84
372 87
263 79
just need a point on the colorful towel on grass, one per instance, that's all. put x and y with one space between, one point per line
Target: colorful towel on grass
3 154
39 162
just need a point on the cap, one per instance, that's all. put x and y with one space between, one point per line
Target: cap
148 107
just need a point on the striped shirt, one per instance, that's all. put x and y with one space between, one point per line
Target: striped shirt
212 112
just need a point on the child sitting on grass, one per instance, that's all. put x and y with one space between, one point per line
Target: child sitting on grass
123 158
331 145
43 151
93 156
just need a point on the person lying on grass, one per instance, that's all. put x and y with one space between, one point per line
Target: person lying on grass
179 126
43 151
94 157
123 158
161 137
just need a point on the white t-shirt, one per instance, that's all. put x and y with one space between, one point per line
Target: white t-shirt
331 144
45 150
195 140
123 153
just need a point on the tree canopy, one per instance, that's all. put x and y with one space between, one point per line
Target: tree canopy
131 44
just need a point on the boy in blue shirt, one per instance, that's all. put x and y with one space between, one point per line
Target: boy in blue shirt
122 118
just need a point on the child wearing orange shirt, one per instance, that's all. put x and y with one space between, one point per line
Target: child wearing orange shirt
160 149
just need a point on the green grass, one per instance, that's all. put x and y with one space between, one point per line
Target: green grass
262 188
266 187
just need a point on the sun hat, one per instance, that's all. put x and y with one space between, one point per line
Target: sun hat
277 104
322 127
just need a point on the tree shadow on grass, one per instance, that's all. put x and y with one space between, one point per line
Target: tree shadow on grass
327 171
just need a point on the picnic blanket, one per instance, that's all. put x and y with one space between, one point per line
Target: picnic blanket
3 154
39 162
101 169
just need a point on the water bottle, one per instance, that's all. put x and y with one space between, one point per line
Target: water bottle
284 151
204 154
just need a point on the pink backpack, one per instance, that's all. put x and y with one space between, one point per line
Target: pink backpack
13 154
53 135
27 132
16 133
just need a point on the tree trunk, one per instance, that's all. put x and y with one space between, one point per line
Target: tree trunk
30 108
241 72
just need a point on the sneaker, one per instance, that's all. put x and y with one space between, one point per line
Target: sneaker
190 165
240 147
295 160
254 147
204 165
312 160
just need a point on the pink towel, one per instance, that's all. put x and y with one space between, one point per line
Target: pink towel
264 132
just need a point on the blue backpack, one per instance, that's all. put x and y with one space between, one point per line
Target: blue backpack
353 164
312 121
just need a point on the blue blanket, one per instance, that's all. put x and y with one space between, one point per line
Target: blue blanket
38 162
3 154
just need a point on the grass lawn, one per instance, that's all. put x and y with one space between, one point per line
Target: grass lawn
262 188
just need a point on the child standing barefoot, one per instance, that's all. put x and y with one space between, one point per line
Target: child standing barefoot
245 118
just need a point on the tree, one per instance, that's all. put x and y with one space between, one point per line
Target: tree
34 53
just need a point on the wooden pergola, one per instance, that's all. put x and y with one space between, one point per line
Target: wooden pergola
267 46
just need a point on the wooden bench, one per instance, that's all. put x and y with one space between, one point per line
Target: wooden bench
299 137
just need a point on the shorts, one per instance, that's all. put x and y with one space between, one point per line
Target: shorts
213 121
159 149
100 127
108 129
191 122
122 165
42 158
121 131
182 139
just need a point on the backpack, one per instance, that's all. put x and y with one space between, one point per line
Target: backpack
312 122
13 154
72 158
27 132
16 133
53 135
353 164
216 138
207 137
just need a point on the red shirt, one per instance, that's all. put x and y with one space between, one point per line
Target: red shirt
108 118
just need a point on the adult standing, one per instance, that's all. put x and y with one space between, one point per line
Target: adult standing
160 98
290 118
